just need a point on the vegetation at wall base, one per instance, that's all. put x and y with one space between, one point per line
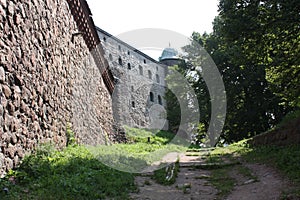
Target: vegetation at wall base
77 172
69 174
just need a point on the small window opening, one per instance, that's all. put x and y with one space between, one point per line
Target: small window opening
119 48
141 70
128 52
145 61
110 57
129 66
104 39
120 61
151 97
159 100
133 104
149 74
157 78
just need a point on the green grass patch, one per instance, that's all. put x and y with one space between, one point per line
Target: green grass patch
167 175
222 181
138 153
69 174
246 172
286 159
80 172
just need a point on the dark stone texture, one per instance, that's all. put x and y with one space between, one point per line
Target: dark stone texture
47 81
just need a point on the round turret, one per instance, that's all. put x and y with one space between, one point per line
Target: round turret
169 57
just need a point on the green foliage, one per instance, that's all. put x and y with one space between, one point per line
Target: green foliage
71 140
290 117
167 175
161 137
175 84
69 174
286 159
138 153
222 181
255 45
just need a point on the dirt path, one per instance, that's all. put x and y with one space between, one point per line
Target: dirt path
269 184
193 183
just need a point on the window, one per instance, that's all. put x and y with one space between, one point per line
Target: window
129 66
141 70
119 47
128 52
151 97
104 39
145 61
133 104
159 100
149 74
157 78
110 57
120 61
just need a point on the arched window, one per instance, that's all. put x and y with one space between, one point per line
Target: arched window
141 70
133 104
129 66
157 78
128 52
145 61
149 74
110 57
151 97
120 61
104 39
159 100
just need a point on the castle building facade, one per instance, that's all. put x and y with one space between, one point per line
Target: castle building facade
138 98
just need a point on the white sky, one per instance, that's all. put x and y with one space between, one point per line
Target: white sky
184 17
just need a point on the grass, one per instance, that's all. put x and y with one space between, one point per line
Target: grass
69 174
222 181
167 175
102 172
80 172
138 153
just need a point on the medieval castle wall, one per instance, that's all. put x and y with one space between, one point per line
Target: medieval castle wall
48 78
138 99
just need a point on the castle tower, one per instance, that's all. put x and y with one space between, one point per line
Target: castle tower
169 57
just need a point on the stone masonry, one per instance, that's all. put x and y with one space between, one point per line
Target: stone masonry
48 79
138 97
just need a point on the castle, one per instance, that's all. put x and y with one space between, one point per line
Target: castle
58 71
138 98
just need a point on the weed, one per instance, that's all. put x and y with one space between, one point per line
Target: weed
69 174
246 172
222 181
147 182
167 175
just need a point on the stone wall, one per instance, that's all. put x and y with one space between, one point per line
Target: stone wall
47 79
137 76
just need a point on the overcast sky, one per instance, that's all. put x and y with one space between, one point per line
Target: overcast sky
184 17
